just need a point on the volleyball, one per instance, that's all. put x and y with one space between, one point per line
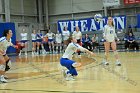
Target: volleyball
98 17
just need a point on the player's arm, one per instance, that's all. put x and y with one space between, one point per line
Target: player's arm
85 50
104 33
1 51
115 35
81 36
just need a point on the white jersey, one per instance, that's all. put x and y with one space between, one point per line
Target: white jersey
66 35
71 48
58 38
109 33
50 35
33 36
23 36
4 44
39 35
77 35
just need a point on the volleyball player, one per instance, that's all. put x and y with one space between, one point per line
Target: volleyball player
78 35
24 41
110 36
33 35
5 42
50 36
58 38
39 36
67 61
66 35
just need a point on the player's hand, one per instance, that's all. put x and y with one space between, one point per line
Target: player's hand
93 54
15 46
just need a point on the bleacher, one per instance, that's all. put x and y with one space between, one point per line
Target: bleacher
120 44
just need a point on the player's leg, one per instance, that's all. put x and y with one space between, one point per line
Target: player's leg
52 43
38 45
21 49
107 48
26 48
33 48
114 48
7 59
49 43
59 47
2 69
70 65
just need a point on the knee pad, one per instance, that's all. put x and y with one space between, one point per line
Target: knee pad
2 67
115 52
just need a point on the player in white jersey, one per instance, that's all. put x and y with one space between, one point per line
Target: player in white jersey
5 42
58 38
50 36
39 41
66 35
67 61
110 36
78 35
24 41
33 35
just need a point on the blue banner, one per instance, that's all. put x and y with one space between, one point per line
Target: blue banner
138 21
90 24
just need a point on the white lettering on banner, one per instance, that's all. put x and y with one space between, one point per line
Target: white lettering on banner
92 26
83 25
120 21
63 24
73 26
102 24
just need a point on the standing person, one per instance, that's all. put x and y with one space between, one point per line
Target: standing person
67 61
50 36
5 42
66 35
39 37
95 41
58 38
33 35
109 35
24 41
78 35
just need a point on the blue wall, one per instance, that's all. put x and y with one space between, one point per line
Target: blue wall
4 26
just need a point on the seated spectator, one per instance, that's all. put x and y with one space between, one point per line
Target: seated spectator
87 42
95 42
126 45
131 43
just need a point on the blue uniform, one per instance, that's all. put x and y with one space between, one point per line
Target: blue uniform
67 56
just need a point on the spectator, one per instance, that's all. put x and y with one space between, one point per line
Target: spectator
94 41
131 42
87 42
